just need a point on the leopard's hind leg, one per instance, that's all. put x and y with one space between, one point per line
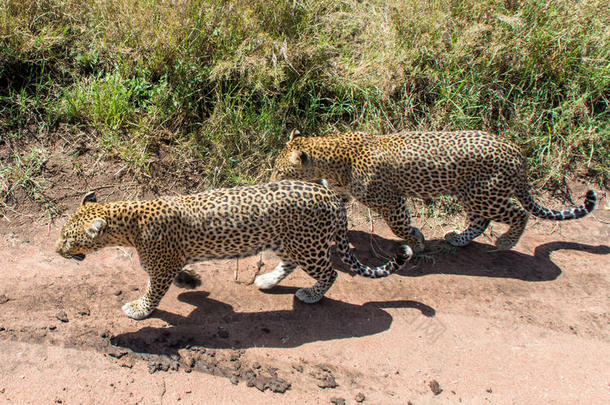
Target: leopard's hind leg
325 276
485 198
398 218
508 212
313 256
187 278
477 226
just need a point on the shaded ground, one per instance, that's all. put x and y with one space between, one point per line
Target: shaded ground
526 326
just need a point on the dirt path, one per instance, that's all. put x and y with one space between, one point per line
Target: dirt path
527 326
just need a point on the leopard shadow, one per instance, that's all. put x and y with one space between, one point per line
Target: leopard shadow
214 324
476 259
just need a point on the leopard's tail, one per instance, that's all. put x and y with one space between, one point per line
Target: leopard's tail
557 215
347 256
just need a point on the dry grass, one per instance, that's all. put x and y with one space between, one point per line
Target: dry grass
223 82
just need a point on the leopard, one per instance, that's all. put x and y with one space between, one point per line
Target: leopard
299 221
484 172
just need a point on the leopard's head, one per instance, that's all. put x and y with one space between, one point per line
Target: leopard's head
294 163
84 231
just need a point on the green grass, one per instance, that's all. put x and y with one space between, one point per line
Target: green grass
223 82
24 172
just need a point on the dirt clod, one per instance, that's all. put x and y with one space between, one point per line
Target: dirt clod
3 299
435 387
84 311
263 382
327 381
325 377
117 353
359 397
161 365
62 316
127 363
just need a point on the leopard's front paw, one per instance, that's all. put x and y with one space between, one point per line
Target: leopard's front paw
267 280
137 309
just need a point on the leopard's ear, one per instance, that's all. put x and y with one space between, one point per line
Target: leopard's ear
294 134
299 158
95 227
89 197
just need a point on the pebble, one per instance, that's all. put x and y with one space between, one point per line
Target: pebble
62 316
435 387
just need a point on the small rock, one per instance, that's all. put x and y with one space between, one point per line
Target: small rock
359 397
127 363
3 299
62 316
117 353
298 368
52 327
327 381
324 368
256 365
105 334
234 380
190 361
118 292
337 401
435 387
155 366
489 390
84 311
263 383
